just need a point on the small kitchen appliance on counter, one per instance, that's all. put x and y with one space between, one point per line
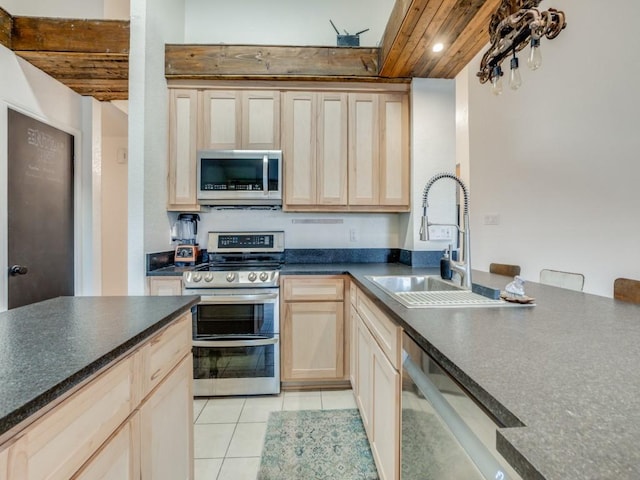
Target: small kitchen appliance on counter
184 232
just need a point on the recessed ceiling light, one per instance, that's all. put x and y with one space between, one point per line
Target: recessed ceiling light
438 47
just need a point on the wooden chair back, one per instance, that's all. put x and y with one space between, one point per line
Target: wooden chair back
557 278
504 269
627 290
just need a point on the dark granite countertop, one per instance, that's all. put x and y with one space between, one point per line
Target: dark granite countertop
49 347
562 376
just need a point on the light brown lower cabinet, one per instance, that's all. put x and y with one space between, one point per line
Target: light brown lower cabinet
166 431
377 384
314 332
159 286
132 420
119 457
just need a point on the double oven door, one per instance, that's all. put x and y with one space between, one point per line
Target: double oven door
236 342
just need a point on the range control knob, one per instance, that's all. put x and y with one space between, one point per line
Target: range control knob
264 276
252 276
208 277
197 277
231 277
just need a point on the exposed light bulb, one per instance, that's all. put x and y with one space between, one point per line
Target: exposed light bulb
514 77
496 80
438 47
535 56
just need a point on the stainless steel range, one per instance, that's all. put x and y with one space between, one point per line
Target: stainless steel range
236 325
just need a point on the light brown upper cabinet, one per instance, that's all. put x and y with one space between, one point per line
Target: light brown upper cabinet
314 141
379 150
346 151
238 119
183 128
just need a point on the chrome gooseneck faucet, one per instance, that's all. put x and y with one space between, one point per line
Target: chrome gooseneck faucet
463 268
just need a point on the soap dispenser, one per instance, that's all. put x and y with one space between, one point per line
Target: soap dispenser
445 264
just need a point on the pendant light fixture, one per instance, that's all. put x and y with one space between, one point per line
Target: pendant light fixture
515 25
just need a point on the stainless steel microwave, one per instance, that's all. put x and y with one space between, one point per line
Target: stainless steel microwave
239 177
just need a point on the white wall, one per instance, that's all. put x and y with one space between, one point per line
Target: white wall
308 230
153 23
433 151
284 22
558 159
114 201
32 92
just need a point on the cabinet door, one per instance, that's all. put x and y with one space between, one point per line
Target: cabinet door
313 341
261 120
166 427
299 140
165 286
119 457
386 416
221 119
394 150
364 395
353 349
183 128
332 149
363 149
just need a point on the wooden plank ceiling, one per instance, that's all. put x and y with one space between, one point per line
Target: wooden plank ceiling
91 56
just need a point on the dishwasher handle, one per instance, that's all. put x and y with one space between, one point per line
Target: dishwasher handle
484 460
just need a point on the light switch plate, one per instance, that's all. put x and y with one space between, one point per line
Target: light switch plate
441 232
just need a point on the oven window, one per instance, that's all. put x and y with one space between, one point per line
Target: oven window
236 319
234 362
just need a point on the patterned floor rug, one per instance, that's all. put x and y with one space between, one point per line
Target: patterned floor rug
316 444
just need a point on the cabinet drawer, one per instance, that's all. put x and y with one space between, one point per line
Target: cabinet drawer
165 351
313 289
386 333
56 445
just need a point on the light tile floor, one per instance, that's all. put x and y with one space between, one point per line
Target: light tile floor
229 431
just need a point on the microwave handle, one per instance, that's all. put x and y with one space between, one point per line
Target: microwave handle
265 174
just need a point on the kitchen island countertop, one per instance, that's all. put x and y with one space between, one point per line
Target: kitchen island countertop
562 376
48 348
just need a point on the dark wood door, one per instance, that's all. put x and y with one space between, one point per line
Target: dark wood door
40 211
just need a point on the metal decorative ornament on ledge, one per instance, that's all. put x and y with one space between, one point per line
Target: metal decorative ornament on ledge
514 25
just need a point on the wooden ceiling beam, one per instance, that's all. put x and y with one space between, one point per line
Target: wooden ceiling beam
468 44
89 56
6 22
267 61
460 17
461 25
70 35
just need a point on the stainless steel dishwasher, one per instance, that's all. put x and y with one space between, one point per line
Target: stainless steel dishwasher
445 434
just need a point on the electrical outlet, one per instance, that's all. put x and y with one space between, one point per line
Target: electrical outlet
440 232
353 235
492 219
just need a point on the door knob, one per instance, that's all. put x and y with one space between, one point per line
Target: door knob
18 270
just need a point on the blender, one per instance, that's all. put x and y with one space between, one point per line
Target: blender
184 232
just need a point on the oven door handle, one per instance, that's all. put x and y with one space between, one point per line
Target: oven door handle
235 343
257 298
